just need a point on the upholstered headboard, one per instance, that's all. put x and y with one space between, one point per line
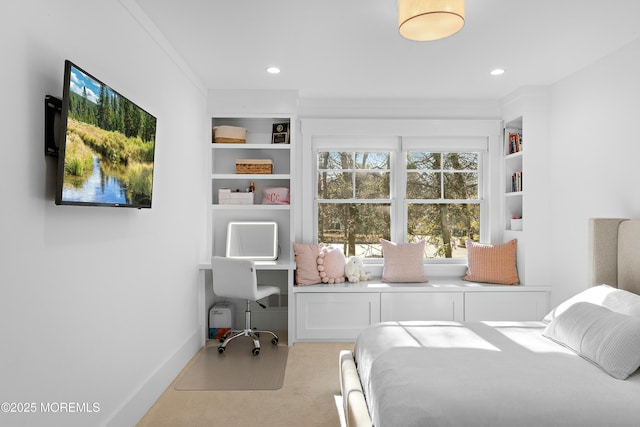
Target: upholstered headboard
614 253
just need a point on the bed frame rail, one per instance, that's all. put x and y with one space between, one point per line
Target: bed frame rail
355 407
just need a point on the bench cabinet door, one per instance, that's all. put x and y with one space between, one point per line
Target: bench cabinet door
402 306
335 316
517 306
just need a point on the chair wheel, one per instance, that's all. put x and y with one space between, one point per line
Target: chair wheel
274 341
221 339
255 351
221 349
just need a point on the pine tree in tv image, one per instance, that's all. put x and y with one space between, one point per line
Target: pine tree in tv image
109 146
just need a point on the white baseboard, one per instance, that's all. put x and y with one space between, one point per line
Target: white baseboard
139 402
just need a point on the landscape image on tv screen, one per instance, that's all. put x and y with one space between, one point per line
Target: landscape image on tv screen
109 146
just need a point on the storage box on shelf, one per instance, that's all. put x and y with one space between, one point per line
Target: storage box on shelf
229 135
257 166
228 197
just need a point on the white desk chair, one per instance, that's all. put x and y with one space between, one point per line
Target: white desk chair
236 278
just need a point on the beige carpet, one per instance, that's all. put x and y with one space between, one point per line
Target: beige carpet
237 368
307 397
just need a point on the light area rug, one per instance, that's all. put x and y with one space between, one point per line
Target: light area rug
237 368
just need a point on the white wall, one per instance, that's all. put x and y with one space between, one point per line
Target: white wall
96 304
595 157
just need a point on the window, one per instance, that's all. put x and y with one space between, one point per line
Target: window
422 190
442 200
354 201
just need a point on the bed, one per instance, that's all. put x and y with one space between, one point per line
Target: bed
579 366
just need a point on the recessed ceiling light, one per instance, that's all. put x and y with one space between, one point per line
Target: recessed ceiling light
497 72
273 70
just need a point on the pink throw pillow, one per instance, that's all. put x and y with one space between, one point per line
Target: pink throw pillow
330 264
306 263
403 262
492 263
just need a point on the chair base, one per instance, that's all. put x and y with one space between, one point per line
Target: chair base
246 332
251 333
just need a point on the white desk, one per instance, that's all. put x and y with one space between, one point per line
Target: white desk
206 299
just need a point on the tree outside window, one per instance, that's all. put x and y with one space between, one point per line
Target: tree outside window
443 206
355 200
354 206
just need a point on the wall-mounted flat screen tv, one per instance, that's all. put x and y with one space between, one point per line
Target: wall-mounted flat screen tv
106 145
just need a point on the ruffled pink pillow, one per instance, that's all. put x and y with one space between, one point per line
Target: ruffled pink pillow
331 262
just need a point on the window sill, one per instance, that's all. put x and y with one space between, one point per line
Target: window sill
430 270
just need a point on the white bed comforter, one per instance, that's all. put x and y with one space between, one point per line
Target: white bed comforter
485 374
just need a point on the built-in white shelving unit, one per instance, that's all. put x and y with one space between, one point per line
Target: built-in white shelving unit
513 172
223 175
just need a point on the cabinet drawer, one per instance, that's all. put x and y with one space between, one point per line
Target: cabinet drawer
335 316
421 306
518 306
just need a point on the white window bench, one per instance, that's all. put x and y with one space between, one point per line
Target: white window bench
338 312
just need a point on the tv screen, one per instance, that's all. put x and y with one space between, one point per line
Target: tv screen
106 145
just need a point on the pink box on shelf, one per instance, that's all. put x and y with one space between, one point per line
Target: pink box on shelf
275 196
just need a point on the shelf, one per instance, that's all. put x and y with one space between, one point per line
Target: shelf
513 193
256 207
513 155
250 176
252 146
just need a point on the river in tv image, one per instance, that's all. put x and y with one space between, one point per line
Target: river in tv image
106 166
99 187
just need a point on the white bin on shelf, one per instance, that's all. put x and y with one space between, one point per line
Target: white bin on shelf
228 197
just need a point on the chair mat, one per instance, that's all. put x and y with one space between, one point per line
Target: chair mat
237 368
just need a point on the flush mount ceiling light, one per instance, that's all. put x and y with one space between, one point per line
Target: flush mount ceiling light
428 20
273 70
497 72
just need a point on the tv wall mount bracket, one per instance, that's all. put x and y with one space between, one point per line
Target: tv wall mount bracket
52 112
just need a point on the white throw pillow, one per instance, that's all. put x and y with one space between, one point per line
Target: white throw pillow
614 299
607 339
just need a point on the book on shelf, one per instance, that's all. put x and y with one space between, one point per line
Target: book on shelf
514 141
516 181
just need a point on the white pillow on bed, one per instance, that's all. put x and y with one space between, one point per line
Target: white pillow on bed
614 299
607 339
